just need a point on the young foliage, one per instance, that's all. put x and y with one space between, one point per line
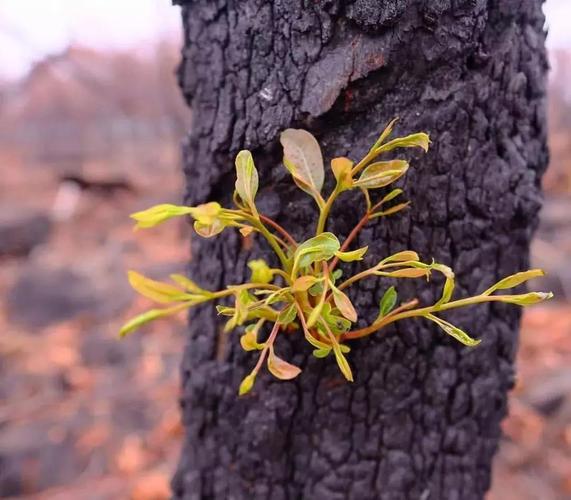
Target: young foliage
306 294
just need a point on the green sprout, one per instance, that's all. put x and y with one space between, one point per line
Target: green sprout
306 293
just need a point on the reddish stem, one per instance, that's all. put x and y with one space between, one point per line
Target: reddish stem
278 228
352 235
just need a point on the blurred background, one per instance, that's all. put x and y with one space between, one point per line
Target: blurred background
91 122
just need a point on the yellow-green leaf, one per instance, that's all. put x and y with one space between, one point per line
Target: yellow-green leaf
321 353
304 283
382 173
207 213
318 248
287 315
527 299
149 316
280 368
390 211
315 314
385 134
303 158
419 140
448 285
261 272
392 195
404 256
159 213
247 384
353 255
454 331
187 283
246 178
342 362
515 280
342 171
388 302
408 273
156 290
209 230
249 341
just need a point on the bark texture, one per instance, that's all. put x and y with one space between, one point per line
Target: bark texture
422 419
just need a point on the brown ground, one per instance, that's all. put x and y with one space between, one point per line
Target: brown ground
84 415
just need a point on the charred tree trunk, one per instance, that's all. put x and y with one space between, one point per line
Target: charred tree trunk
422 419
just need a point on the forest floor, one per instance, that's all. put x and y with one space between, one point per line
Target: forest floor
83 415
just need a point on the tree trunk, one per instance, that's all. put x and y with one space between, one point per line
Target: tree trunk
422 419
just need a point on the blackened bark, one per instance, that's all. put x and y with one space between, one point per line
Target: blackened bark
422 419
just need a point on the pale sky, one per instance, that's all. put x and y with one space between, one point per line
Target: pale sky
31 29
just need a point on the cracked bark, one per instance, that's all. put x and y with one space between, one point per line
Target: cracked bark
422 419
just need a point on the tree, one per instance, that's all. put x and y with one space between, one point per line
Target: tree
421 420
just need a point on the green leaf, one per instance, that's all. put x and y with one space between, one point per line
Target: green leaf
515 280
336 275
280 368
381 174
287 315
454 331
353 255
388 302
147 317
527 299
157 214
318 248
419 140
261 272
338 324
344 304
302 157
156 290
247 384
321 353
246 178
317 289
342 171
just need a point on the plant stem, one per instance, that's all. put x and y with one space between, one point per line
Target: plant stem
279 228
258 224
377 325
232 289
266 348
324 212
363 163
352 235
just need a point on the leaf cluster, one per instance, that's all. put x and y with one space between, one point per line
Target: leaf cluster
307 292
